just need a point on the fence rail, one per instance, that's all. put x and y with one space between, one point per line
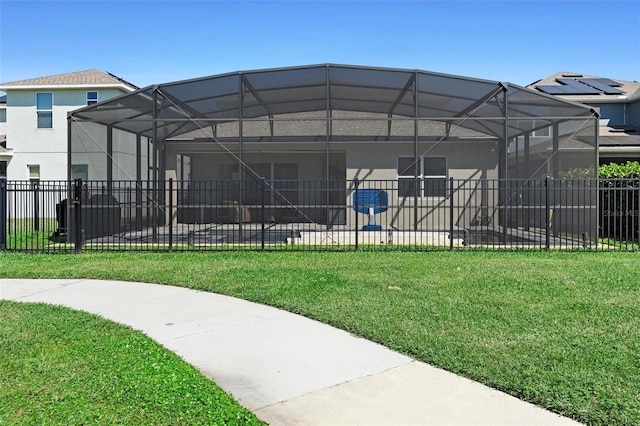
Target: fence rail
427 215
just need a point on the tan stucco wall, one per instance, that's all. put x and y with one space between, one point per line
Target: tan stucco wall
371 162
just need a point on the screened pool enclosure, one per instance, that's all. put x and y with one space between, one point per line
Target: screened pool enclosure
288 149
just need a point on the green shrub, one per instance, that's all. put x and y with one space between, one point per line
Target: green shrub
620 200
629 170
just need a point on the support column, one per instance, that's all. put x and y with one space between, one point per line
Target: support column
416 164
596 216
109 159
555 164
154 189
504 160
69 187
241 168
138 182
528 177
69 154
555 161
327 156
527 153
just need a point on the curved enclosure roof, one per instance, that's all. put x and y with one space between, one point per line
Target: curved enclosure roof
302 101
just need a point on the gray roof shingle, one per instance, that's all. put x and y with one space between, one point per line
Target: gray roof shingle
87 77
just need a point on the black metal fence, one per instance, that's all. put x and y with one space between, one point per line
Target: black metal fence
436 214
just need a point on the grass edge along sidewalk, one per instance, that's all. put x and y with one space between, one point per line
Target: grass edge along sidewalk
61 366
556 329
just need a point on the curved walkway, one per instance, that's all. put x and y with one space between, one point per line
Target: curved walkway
288 369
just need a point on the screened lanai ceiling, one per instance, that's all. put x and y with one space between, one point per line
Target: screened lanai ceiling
335 101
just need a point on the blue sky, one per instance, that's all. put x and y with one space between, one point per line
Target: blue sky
147 42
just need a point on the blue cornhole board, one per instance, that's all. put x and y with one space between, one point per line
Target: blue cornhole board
371 202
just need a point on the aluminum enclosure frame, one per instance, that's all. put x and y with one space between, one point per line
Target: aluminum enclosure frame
331 104
175 112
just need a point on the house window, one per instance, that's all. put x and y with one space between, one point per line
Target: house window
543 132
80 171
44 110
3 169
34 172
281 180
92 98
431 180
3 115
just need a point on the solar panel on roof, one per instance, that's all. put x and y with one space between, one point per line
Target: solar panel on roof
577 87
608 82
555 90
606 88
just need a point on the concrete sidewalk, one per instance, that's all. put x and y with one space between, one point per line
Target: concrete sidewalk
286 368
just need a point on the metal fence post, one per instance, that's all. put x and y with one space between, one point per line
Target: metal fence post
170 214
36 205
263 189
3 214
77 207
636 210
547 208
451 214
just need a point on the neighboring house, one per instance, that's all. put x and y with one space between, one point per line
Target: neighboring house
33 120
618 102
5 154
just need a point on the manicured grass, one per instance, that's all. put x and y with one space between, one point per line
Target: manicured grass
558 329
61 366
21 233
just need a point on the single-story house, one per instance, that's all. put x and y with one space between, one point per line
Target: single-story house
313 134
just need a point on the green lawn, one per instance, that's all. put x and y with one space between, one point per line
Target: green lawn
561 330
66 367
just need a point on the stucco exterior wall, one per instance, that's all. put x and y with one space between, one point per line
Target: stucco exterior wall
369 162
44 147
465 160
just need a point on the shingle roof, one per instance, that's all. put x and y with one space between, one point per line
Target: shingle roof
630 88
87 77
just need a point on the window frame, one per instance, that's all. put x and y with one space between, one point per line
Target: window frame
43 112
91 101
80 169
423 177
275 186
33 172
428 176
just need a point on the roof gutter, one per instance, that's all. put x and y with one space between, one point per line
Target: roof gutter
620 100
619 150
